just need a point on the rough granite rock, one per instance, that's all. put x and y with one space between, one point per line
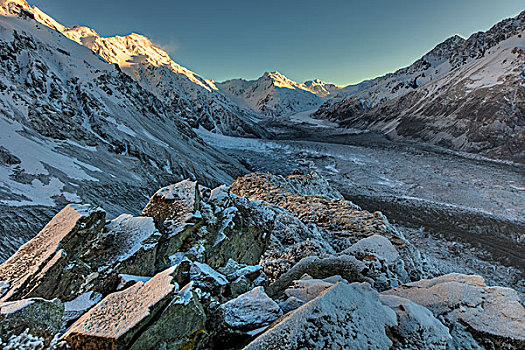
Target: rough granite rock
308 288
43 318
116 320
345 266
492 316
251 310
211 227
39 267
175 203
316 221
179 326
383 261
207 278
416 327
345 316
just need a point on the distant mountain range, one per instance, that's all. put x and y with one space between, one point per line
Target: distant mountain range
465 94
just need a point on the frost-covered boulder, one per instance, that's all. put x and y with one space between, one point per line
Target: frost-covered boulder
383 261
209 226
179 326
250 310
416 327
207 278
308 288
41 267
479 316
119 319
345 266
174 204
42 318
345 316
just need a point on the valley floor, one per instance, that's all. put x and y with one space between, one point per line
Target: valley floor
463 211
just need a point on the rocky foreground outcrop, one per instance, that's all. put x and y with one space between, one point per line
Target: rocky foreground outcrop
269 262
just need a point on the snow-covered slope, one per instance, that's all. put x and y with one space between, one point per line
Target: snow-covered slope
465 94
445 57
273 94
194 98
75 128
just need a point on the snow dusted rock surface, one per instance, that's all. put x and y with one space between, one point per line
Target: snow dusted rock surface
466 94
43 318
479 316
113 323
251 310
37 268
345 316
416 327
74 128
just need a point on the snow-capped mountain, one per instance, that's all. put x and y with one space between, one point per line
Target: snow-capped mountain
193 97
273 94
75 128
466 94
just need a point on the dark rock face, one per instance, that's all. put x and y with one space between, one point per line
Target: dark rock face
43 318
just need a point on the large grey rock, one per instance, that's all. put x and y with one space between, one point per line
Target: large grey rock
118 319
345 266
179 326
174 204
416 327
40 267
308 288
345 316
491 316
250 310
382 259
43 318
207 278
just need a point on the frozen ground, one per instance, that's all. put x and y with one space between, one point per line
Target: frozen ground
461 210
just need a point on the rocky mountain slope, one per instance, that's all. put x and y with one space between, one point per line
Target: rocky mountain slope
466 94
75 128
191 97
267 262
273 94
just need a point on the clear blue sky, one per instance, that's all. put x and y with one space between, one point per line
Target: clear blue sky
342 41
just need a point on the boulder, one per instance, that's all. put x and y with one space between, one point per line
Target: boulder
207 278
416 327
345 266
490 317
250 310
128 245
308 288
40 267
42 318
241 232
174 204
179 326
117 320
383 262
345 316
